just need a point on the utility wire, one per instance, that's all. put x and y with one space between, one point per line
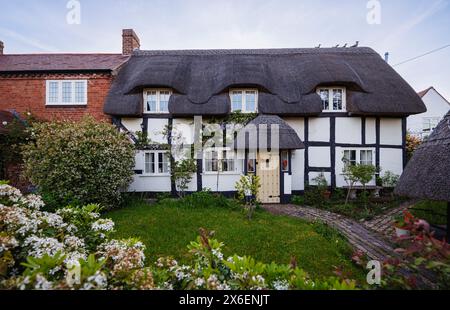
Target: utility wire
420 56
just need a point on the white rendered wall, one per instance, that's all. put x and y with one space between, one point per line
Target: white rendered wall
348 130
371 131
313 175
156 128
298 124
142 183
185 128
391 131
391 160
319 157
227 181
319 129
287 184
436 107
132 124
298 170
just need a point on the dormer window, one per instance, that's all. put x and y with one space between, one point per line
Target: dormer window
156 101
333 99
244 100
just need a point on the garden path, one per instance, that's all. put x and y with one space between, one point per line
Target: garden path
359 236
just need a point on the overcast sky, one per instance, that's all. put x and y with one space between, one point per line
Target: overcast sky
408 28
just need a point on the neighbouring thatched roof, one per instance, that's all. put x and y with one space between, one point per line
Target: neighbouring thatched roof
286 78
288 138
428 172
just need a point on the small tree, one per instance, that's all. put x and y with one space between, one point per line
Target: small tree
79 162
412 143
248 188
182 173
358 173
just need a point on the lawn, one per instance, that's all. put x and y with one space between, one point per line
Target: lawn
167 230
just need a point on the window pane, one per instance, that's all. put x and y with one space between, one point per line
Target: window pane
325 96
236 101
350 157
250 101
53 91
80 92
164 101
66 92
251 165
285 161
150 163
337 99
151 101
366 157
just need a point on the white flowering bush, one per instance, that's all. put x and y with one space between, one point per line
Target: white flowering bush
79 162
72 249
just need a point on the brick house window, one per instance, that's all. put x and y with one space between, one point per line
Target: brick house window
66 92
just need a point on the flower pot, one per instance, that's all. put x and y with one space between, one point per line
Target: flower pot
401 232
327 195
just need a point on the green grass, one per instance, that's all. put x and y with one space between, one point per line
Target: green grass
167 230
431 211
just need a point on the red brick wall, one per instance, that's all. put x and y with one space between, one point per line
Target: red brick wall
26 93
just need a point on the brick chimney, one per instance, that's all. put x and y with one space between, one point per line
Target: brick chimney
2 46
130 41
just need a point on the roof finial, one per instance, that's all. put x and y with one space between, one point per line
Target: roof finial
318 46
356 44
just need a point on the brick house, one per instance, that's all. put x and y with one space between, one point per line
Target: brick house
60 86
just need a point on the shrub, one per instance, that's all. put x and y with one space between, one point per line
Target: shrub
79 162
203 199
412 143
71 249
389 179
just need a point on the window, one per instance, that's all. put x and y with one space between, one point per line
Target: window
219 160
244 100
157 101
157 162
363 157
285 161
430 123
333 99
65 92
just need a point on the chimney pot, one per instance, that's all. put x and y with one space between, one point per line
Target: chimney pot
2 46
130 41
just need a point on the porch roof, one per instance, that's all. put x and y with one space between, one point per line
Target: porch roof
288 138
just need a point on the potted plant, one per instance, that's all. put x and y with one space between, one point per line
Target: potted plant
403 224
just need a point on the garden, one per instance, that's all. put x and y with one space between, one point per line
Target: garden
78 230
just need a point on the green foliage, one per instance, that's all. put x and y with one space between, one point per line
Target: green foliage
143 140
201 200
79 162
389 179
434 212
412 143
358 173
248 188
182 173
298 200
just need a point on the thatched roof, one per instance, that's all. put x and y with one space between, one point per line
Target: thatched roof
288 138
428 172
286 78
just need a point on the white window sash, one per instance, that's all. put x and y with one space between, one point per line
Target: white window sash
156 164
59 101
158 100
220 160
331 98
244 93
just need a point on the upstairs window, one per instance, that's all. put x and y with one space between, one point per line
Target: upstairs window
66 92
430 123
157 100
244 100
333 99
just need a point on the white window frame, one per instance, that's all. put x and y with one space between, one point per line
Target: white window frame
330 98
432 121
358 154
60 93
156 164
220 158
244 99
158 100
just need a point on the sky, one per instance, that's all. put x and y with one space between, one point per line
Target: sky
404 28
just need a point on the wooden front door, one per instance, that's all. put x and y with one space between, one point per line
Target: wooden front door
269 174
